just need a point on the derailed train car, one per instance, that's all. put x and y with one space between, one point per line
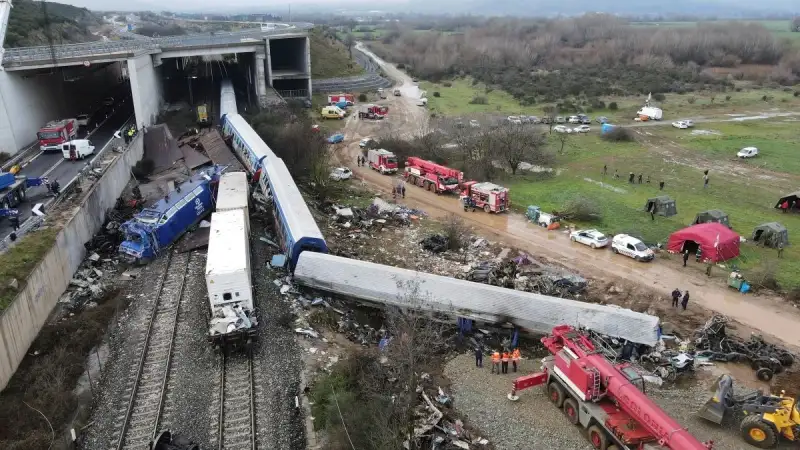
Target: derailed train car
228 270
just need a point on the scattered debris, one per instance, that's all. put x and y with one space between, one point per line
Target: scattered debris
435 243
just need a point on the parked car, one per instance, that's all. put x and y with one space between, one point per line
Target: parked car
574 119
459 122
748 152
631 247
336 138
601 119
341 173
562 129
474 123
547 120
586 120
422 102
535 119
546 219
592 238
366 142
397 92
689 122
515 120
582 129
680 124
561 119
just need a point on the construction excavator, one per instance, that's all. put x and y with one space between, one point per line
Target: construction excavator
768 418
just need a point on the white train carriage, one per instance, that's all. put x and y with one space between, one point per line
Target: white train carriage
229 283
227 103
249 147
296 227
233 193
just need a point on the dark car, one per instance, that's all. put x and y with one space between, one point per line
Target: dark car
602 119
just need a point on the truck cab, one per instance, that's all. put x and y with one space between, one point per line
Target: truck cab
55 133
77 149
382 160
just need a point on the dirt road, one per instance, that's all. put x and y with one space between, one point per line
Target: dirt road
771 315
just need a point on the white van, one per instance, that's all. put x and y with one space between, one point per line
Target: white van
77 149
631 247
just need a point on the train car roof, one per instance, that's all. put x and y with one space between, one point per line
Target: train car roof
253 140
228 243
174 197
292 203
233 191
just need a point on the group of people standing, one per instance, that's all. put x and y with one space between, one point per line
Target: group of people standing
633 178
676 297
500 360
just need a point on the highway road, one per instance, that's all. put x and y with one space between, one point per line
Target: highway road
55 167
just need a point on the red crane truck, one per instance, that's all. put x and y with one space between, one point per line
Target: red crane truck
487 196
382 160
350 99
431 176
55 133
607 399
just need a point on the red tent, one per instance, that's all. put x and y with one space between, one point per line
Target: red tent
717 242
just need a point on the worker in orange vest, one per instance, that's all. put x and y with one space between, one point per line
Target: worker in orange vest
505 359
496 362
515 356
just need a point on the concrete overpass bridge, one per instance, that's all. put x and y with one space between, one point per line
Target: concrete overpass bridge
34 88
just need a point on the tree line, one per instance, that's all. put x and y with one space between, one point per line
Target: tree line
28 24
603 53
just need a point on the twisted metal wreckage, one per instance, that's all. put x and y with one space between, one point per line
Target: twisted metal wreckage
377 283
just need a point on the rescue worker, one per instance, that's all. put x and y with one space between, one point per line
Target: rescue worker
685 300
685 257
54 187
478 355
660 185
676 296
630 177
708 269
130 134
605 170
698 254
14 222
496 362
504 360
403 188
515 357
780 249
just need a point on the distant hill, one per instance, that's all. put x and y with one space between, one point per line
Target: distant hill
66 24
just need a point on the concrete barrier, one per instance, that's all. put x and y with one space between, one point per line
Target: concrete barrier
21 321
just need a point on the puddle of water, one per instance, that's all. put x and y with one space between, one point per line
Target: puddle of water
606 186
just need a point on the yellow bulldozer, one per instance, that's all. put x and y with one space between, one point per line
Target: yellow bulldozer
768 419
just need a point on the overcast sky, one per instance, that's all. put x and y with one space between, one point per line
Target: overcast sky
217 5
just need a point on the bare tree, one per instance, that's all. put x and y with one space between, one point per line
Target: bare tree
564 141
349 41
795 25
550 114
515 144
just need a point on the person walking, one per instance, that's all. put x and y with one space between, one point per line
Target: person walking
685 300
605 169
616 174
14 222
640 178
504 361
676 296
630 177
403 188
785 206
705 179
685 257
708 269
660 185
780 249
648 179
496 362
515 357
478 355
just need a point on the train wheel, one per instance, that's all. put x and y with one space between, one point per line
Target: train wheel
598 437
571 410
556 394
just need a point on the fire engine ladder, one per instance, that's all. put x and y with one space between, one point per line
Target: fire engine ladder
596 394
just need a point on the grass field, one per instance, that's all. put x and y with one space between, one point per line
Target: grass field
330 59
20 260
744 190
455 101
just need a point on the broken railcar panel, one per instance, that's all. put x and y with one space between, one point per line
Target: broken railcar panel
539 313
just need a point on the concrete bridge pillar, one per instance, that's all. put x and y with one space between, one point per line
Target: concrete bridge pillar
5 13
146 89
308 64
261 79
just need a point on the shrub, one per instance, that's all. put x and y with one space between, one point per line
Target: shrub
727 98
401 66
691 100
479 100
447 84
618 134
659 97
613 106
797 93
456 231
436 94
362 97
582 209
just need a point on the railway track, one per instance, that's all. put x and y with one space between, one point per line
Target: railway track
144 409
237 416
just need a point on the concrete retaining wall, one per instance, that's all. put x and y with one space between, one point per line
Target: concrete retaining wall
21 322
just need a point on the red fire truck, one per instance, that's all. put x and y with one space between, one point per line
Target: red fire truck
488 196
55 133
372 111
333 99
431 176
382 160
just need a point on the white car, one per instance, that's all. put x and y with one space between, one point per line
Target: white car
689 122
82 120
341 173
562 129
582 129
631 247
474 123
515 120
680 124
422 102
592 238
748 152
365 142
574 119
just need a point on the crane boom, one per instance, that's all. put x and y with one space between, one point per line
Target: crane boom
586 373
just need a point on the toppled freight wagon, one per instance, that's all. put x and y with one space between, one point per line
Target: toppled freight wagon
538 313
